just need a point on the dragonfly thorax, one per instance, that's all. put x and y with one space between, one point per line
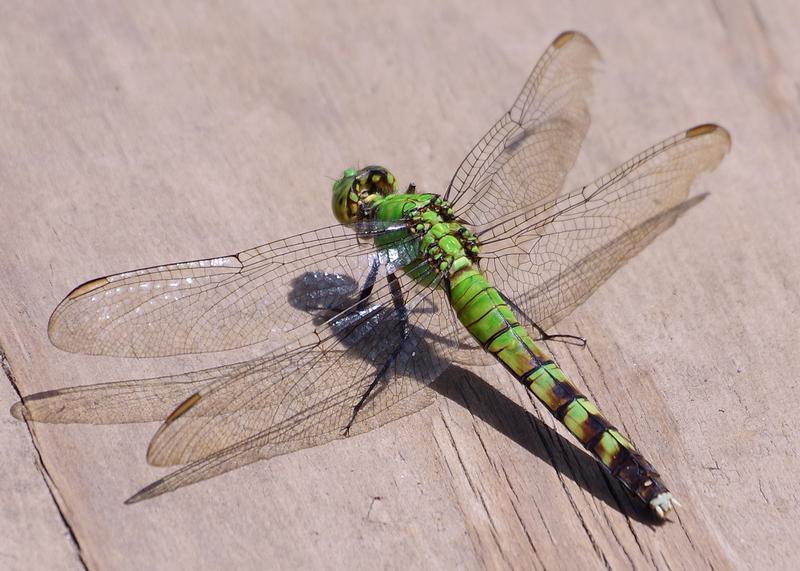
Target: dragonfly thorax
442 241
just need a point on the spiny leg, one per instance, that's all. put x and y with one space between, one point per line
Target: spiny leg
369 283
402 313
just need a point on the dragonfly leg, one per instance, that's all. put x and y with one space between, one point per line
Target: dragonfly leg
402 314
369 283
544 335
412 188
366 291
561 337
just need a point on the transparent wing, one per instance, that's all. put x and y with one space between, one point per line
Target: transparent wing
117 402
470 352
215 304
400 338
313 390
282 437
550 258
525 156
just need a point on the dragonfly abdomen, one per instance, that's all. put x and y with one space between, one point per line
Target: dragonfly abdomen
492 322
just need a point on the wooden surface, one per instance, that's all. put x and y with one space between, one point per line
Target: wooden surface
133 136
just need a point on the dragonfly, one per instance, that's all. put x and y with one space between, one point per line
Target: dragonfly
358 318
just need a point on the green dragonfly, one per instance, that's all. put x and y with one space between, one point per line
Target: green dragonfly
356 319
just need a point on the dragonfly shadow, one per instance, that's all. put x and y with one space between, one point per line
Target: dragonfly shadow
484 401
368 338
323 294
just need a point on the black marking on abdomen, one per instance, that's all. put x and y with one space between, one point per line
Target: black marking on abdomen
594 440
508 327
530 373
487 312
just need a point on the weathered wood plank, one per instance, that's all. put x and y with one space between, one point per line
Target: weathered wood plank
34 533
133 136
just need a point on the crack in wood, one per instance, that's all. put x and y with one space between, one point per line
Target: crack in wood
49 483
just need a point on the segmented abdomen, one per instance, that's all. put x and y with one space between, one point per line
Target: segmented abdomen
490 320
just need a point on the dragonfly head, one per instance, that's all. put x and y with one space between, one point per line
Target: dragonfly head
357 188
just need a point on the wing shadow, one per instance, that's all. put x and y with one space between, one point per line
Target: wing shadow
519 424
484 401
320 294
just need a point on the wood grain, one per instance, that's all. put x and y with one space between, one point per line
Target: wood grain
137 135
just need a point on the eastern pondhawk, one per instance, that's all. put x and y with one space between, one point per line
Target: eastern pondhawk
359 317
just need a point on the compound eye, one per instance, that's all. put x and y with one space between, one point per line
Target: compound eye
344 199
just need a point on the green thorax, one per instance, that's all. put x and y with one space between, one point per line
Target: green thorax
440 241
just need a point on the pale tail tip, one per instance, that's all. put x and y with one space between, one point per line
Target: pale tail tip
663 504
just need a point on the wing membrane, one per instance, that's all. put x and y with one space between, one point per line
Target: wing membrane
118 402
525 156
292 398
314 389
214 304
550 258
349 334
280 438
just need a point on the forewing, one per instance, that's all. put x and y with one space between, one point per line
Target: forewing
214 304
525 156
549 259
